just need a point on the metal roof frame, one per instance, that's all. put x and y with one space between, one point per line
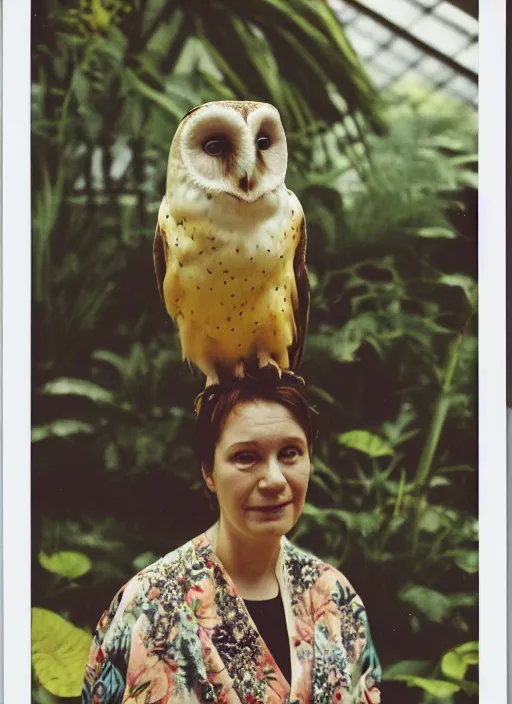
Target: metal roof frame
423 46
434 41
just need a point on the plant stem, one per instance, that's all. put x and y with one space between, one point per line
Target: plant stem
441 410
434 433
400 495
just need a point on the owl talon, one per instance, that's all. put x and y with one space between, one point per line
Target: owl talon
268 362
211 381
239 371
289 372
265 362
198 402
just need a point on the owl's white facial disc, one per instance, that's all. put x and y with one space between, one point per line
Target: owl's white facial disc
235 148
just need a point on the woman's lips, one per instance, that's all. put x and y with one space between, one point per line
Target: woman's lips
270 509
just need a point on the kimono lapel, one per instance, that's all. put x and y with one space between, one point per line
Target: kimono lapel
255 675
294 583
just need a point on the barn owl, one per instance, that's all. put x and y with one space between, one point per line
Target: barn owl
230 242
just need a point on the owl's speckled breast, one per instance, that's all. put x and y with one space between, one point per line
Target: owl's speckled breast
230 282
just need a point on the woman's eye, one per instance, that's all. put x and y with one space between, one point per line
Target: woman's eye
263 142
217 146
291 453
244 458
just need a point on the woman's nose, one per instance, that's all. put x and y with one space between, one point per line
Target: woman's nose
273 479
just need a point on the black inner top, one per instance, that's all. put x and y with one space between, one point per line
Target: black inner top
270 620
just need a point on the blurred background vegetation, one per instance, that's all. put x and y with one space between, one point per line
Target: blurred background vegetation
388 184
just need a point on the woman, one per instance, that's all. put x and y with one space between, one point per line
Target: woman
239 614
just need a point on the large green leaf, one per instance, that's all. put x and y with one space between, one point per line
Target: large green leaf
407 667
453 665
143 560
467 560
470 651
160 99
466 283
364 522
368 443
78 387
64 428
437 688
66 563
433 604
455 662
59 653
463 599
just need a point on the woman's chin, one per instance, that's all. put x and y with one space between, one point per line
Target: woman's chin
276 527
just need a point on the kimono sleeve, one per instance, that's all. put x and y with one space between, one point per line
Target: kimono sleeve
106 668
363 660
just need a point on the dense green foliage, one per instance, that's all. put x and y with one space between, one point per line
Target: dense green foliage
391 354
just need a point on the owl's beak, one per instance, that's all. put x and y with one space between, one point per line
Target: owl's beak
244 182
246 167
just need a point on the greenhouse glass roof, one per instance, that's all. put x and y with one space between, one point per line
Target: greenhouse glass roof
432 41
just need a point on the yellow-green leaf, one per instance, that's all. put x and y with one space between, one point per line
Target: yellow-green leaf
438 688
469 651
371 445
453 665
436 232
66 563
59 653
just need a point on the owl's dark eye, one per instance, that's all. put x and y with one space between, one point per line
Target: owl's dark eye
218 146
263 142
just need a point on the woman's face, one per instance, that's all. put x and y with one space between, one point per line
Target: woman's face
261 470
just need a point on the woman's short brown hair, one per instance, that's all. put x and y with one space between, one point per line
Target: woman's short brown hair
218 401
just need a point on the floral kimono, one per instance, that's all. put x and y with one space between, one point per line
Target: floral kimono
179 632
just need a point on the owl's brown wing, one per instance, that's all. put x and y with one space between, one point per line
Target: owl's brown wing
301 307
160 259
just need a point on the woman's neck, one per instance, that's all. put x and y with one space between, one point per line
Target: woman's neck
250 564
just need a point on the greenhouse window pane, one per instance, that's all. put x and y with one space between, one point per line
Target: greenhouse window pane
436 69
463 99
380 77
345 12
389 57
464 87
413 75
443 38
405 49
428 3
460 18
401 12
363 45
469 57
391 62
371 28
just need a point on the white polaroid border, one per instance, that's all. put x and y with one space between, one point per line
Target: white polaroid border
492 350
16 353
